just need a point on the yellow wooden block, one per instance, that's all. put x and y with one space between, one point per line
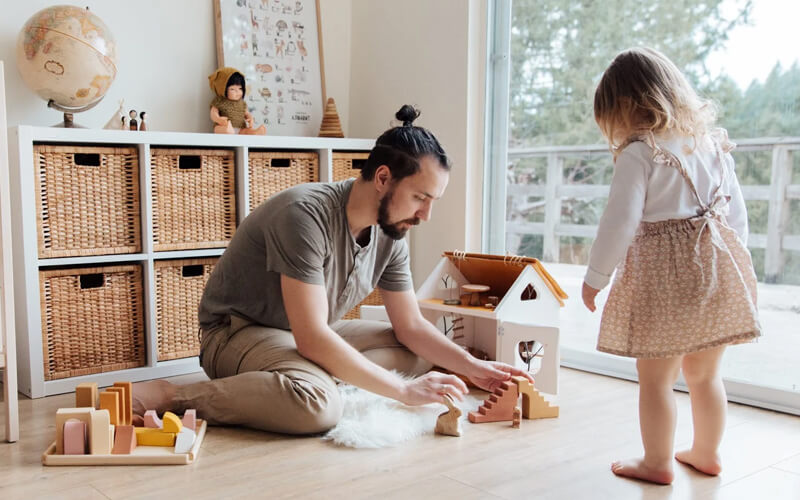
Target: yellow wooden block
171 423
122 414
100 442
146 436
110 401
64 414
86 395
127 401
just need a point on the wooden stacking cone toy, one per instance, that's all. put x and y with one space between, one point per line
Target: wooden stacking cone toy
331 126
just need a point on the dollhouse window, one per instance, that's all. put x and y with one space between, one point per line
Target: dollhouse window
529 293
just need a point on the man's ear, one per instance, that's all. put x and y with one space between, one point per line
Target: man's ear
383 178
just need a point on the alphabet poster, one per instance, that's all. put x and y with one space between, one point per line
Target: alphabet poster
276 45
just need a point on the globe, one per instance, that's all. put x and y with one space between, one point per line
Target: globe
68 57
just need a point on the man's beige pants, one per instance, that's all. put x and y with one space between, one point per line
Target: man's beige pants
259 380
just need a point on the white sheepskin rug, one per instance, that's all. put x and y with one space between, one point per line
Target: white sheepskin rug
373 421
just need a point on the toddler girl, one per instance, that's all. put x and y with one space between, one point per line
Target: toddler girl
676 230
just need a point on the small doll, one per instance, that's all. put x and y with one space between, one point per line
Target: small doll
133 123
142 124
229 110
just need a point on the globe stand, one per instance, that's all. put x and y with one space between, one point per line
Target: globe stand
68 122
68 113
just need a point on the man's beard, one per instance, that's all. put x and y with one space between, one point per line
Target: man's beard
393 231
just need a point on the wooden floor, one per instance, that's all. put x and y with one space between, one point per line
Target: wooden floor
563 458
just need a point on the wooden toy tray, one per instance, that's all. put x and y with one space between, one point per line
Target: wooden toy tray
142 455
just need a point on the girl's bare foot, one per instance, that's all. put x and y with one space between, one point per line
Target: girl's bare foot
636 469
153 395
707 464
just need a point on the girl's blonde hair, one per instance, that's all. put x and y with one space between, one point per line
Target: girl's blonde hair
642 92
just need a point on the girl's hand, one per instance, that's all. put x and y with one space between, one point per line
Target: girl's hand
589 294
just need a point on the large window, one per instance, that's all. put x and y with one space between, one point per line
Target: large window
550 168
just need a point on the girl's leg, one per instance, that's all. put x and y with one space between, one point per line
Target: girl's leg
656 420
709 405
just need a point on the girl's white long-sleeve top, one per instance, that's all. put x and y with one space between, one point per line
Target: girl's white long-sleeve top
644 190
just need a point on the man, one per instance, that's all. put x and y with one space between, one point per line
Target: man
271 336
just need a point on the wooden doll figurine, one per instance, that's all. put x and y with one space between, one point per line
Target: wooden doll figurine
142 124
134 125
229 110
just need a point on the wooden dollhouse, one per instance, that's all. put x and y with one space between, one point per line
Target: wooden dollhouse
513 318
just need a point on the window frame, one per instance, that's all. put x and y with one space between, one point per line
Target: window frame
496 135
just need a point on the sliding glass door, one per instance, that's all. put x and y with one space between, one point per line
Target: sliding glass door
549 169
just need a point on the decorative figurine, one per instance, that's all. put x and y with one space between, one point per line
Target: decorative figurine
117 122
229 110
142 125
133 123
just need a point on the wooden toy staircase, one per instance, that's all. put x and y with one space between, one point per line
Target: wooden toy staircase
499 406
533 404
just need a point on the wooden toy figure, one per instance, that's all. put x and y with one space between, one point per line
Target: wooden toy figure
142 124
448 423
229 110
117 121
134 124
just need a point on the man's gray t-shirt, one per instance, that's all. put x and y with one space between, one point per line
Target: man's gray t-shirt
301 232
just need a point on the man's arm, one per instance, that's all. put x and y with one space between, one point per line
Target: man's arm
307 309
421 337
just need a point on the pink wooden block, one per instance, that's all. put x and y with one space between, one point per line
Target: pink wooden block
124 440
151 420
74 437
190 419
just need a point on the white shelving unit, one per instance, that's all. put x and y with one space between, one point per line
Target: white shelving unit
27 264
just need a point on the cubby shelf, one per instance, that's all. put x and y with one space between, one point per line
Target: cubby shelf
27 262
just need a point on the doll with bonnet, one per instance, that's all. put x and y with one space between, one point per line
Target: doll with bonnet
228 110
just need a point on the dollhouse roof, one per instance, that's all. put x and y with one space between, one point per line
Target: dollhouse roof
500 272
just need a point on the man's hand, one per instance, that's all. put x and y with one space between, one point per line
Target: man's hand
488 375
589 294
431 388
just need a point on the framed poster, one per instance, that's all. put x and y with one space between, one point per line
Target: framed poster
277 46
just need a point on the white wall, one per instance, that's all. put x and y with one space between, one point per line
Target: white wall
166 50
336 35
378 54
429 54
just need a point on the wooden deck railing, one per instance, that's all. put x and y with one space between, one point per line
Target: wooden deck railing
779 193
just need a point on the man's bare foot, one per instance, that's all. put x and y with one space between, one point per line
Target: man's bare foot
636 469
707 464
153 395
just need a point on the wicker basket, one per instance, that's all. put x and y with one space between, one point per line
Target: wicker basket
179 288
274 171
87 200
92 320
347 165
373 299
194 198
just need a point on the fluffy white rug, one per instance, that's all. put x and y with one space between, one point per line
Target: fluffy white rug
373 421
